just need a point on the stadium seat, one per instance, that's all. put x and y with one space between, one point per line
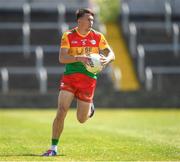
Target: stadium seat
11 36
156 29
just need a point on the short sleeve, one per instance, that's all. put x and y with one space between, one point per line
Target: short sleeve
103 43
65 41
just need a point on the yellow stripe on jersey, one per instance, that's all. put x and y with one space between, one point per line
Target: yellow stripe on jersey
103 43
64 41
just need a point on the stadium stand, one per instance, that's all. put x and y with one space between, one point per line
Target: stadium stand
30 32
151 30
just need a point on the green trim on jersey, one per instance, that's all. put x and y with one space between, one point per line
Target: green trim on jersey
78 67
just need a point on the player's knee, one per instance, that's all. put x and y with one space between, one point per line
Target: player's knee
61 112
63 109
81 119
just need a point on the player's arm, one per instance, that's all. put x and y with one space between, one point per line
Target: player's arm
65 58
107 52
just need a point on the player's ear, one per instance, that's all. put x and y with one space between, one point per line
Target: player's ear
78 21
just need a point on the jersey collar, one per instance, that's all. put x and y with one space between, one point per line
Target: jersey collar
81 34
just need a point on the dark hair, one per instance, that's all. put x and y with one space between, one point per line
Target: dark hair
82 11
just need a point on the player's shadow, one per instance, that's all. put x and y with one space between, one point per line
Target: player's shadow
37 155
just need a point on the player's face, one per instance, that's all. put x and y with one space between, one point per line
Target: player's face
87 21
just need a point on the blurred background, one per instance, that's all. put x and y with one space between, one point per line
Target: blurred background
144 35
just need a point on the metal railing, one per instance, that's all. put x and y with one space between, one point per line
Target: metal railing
61 12
140 62
133 39
118 77
26 40
176 39
39 57
168 16
125 17
27 12
42 76
5 79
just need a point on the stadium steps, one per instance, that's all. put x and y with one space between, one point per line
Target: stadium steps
11 16
16 60
11 37
154 36
52 59
161 58
129 80
45 37
30 83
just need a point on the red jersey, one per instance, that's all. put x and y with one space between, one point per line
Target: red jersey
92 42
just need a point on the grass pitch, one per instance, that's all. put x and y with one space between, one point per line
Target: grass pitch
111 135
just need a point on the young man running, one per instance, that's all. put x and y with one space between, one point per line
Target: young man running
76 45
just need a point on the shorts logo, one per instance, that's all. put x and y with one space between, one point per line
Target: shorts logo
87 94
62 84
93 42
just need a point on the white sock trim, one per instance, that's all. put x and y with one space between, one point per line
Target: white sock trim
54 147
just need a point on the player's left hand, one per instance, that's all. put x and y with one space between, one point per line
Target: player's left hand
104 60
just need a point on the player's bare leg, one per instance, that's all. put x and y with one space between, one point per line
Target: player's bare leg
83 110
64 101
